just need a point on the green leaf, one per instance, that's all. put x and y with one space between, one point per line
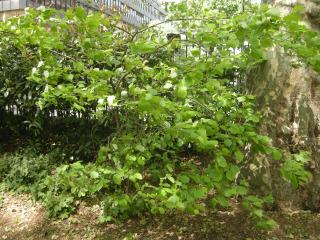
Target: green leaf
228 142
170 178
161 210
302 157
298 8
117 178
136 176
241 190
182 91
236 129
94 174
223 201
195 52
230 192
142 47
173 201
105 219
239 156
292 17
258 212
199 193
276 154
123 203
184 179
80 13
140 148
141 161
268 199
274 12
268 224
232 172
222 162
77 166
93 21
216 175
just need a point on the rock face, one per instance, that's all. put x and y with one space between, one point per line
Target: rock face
289 99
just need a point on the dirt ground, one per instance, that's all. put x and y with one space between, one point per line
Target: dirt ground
23 219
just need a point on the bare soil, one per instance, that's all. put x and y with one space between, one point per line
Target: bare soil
23 219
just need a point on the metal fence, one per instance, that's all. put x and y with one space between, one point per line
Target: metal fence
134 12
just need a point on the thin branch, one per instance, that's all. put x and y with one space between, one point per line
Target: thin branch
124 30
164 45
171 20
123 77
62 55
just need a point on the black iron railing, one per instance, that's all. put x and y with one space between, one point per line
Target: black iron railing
134 12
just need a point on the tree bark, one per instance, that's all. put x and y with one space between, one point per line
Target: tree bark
289 99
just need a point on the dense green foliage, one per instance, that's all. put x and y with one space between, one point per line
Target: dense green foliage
183 133
25 169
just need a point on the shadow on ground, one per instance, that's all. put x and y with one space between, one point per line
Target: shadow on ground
23 219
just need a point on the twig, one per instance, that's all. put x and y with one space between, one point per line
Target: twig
171 20
122 29
62 55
